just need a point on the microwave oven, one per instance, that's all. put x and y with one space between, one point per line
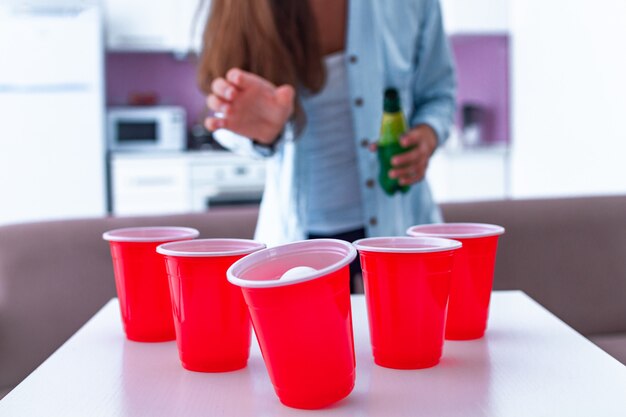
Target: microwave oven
147 128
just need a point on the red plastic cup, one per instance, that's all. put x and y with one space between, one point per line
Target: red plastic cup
472 277
303 322
141 280
407 284
210 316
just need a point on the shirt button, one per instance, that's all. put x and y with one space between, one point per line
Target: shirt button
365 143
353 59
358 101
373 221
370 183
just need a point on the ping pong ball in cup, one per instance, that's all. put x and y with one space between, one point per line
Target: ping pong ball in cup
298 272
298 296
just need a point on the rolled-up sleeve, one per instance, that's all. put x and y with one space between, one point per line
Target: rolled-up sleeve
244 146
238 144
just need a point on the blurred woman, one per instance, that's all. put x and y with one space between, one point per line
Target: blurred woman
301 83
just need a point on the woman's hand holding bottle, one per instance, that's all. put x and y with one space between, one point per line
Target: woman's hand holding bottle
410 167
250 106
403 154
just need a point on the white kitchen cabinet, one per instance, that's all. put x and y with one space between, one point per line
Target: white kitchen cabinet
180 182
149 185
475 16
469 174
152 26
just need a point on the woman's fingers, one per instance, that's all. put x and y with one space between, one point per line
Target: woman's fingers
223 89
409 167
407 171
218 105
244 80
249 105
414 176
406 158
285 95
409 174
214 123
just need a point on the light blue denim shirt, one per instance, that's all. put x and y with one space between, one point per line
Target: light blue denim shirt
400 44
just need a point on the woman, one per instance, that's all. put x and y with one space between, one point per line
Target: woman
301 82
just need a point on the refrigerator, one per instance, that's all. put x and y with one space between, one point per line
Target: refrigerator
52 147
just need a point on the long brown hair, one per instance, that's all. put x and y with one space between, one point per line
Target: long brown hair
275 39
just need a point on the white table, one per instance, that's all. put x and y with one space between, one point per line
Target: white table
529 364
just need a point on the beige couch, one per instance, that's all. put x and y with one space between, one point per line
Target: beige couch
568 254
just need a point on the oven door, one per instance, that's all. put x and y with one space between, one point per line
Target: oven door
210 196
221 178
133 134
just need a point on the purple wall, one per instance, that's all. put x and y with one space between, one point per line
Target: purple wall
482 65
483 76
174 81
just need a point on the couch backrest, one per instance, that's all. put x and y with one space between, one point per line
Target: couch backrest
45 298
569 254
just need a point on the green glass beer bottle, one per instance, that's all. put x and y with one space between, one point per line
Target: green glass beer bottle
392 127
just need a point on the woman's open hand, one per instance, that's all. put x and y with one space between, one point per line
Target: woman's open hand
250 105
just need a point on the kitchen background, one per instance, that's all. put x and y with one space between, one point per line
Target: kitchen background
540 106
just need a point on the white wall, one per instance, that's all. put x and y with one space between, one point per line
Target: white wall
475 16
568 97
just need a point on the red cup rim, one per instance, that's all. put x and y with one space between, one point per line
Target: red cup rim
204 248
406 244
456 230
340 247
150 234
